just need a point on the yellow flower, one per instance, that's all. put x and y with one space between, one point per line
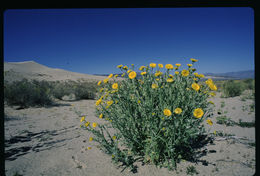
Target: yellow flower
119 66
89 148
185 72
141 68
196 74
110 76
143 73
170 75
113 156
138 101
195 79
154 86
167 112
176 72
198 113
115 86
160 65
209 81
101 116
110 102
189 65
123 75
163 128
132 75
158 73
153 113
98 102
114 137
178 65
82 119
177 110
128 71
170 80
91 139
213 86
94 124
125 68
209 122
153 65
169 66
215 132
106 80
116 76
193 60
87 124
201 76
99 82
195 86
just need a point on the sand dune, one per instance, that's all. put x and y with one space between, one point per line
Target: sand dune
32 70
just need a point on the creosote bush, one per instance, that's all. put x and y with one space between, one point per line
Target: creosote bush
81 90
157 117
26 93
232 88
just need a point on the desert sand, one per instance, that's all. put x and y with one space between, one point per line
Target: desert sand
32 70
49 141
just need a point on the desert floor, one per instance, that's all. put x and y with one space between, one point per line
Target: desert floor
49 141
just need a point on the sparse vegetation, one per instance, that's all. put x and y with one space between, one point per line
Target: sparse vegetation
26 93
224 120
191 170
29 93
245 124
232 89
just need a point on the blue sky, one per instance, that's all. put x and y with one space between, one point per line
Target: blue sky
95 41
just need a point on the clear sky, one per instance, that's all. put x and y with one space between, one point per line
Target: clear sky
95 41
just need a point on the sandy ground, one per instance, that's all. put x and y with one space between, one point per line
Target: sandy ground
49 141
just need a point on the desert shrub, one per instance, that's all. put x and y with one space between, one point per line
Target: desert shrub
61 89
225 120
85 90
158 117
81 90
26 93
249 84
232 88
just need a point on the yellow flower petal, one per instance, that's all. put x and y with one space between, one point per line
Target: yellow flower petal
132 75
178 111
167 112
198 113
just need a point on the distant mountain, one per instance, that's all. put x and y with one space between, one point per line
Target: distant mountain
234 75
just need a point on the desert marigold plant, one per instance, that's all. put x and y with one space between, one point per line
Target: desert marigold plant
156 116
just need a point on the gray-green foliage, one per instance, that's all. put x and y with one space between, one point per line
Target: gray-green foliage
136 111
232 88
27 93
81 90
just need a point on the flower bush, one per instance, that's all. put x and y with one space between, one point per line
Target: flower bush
157 118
